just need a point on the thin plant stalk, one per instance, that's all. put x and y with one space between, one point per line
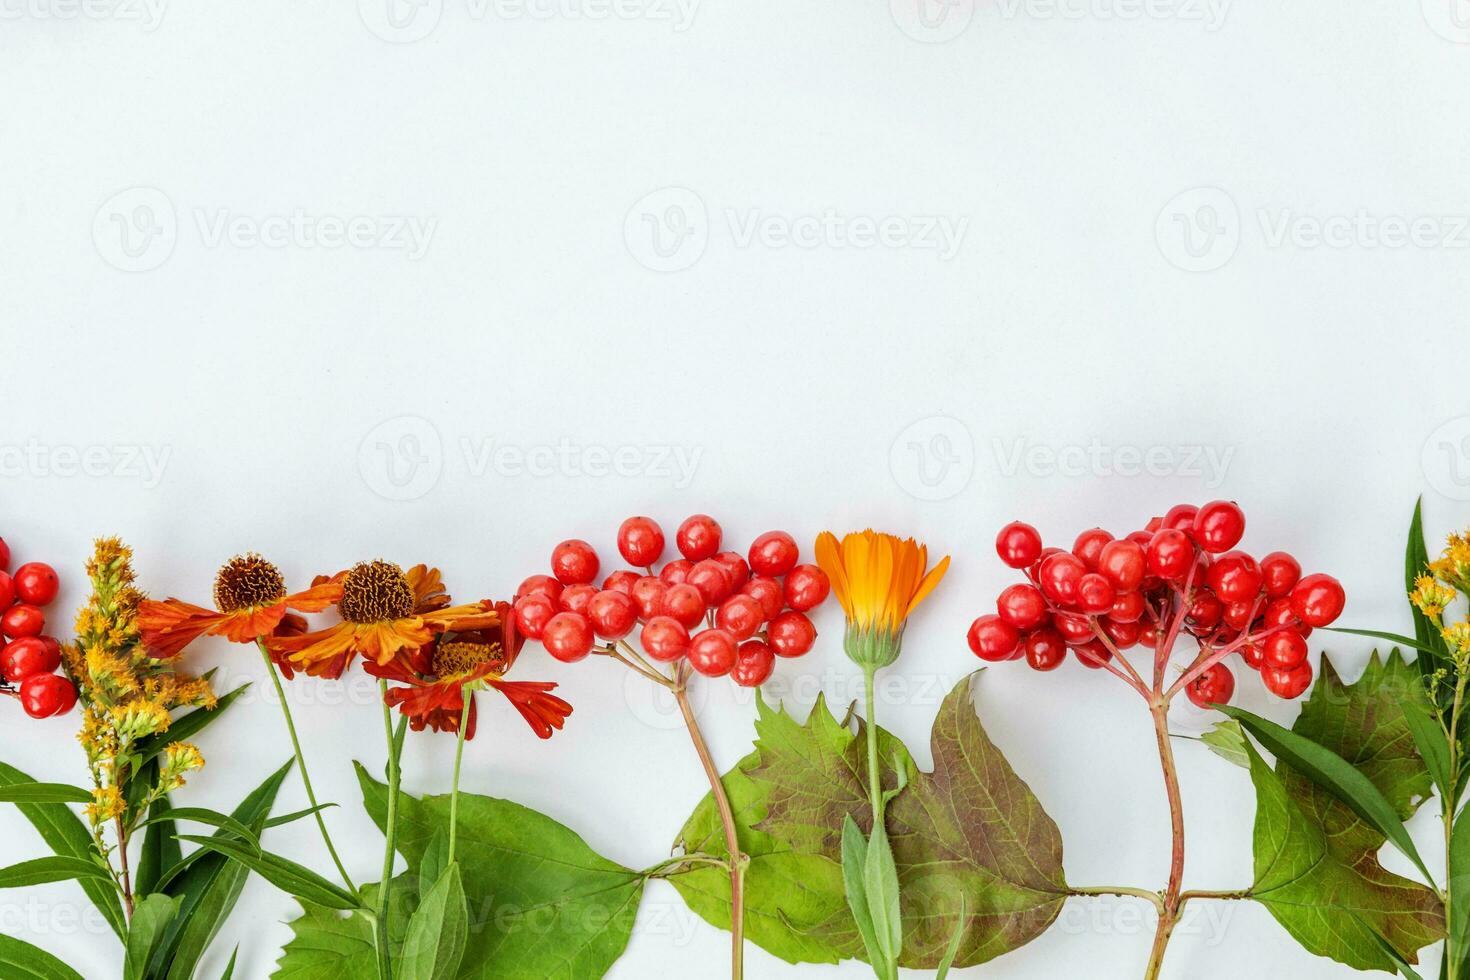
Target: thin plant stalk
464 722
270 666
385 963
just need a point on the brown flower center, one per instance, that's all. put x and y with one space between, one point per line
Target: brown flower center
375 592
246 581
458 657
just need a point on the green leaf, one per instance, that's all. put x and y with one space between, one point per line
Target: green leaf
1398 639
1429 739
213 818
437 932
185 727
1416 562
40 871
230 967
970 832
66 835
160 850
854 863
1227 740
880 887
1317 869
21 961
1459 888
150 922
545 905
292 878
434 862
294 816
34 792
330 945
1336 775
954 945
208 887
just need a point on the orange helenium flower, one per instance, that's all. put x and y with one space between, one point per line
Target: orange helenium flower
880 580
384 612
250 601
435 679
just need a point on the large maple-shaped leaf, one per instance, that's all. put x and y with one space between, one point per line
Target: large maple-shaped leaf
1316 861
969 832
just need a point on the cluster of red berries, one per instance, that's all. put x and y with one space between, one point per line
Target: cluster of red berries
1180 574
753 608
29 659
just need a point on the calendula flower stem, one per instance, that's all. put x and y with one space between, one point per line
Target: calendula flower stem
464 724
738 860
875 778
270 666
385 964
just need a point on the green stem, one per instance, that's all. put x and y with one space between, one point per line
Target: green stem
1453 954
385 965
270 666
464 722
875 778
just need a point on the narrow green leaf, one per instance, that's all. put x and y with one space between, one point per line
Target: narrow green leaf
281 821
21 961
1459 888
150 922
1402 965
39 871
230 967
880 884
208 887
1416 559
1396 638
213 818
1429 739
185 726
433 863
160 851
66 835
437 932
854 861
954 944
1336 775
43 793
285 874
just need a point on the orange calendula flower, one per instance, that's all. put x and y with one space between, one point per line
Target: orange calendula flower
880 580
435 679
385 611
250 601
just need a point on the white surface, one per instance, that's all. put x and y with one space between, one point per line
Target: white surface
1059 153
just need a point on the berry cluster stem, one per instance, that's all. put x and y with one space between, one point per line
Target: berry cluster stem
738 861
1172 906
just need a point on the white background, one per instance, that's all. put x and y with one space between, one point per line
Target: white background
1123 280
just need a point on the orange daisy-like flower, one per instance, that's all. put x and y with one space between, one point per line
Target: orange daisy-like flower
250 600
385 611
435 679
